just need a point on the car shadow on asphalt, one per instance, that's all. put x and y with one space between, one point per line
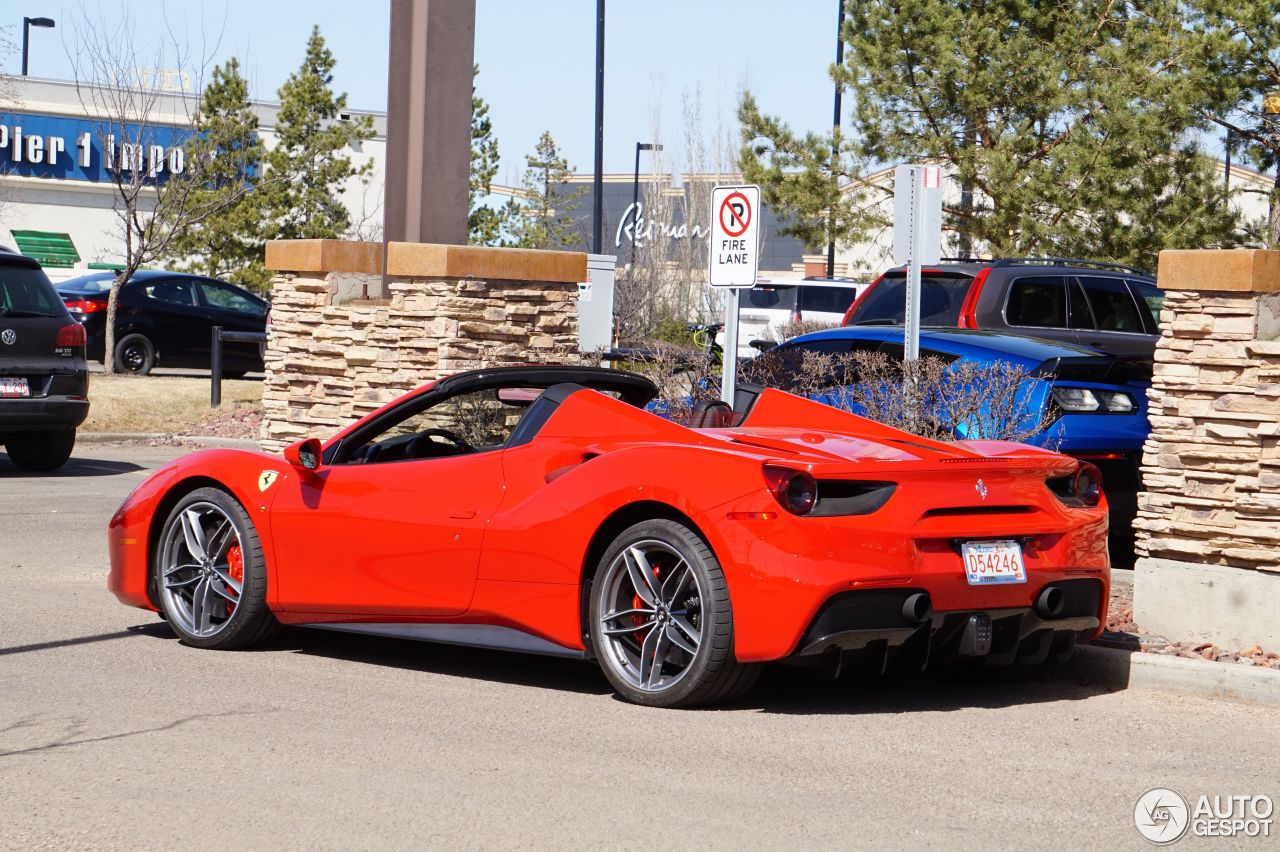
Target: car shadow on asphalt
450 660
781 690
74 468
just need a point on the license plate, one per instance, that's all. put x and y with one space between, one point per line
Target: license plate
989 562
14 386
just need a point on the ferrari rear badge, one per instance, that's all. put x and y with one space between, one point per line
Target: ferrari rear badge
267 479
981 488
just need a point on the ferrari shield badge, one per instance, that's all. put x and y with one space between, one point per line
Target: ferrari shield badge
266 479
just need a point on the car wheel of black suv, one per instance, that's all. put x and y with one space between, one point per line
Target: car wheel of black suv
40 450
135 354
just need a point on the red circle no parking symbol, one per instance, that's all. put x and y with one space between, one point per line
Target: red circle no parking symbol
735 214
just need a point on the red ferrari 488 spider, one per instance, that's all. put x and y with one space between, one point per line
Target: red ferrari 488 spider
543 509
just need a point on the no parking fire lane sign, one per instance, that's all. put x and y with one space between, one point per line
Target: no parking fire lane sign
735 236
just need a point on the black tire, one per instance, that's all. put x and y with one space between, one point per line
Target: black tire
709 675
40 450
135 354
252 621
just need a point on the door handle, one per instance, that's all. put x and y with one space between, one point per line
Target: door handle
463 514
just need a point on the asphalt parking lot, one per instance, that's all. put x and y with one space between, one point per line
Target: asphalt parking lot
112 735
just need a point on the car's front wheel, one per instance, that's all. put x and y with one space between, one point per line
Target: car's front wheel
47 450
661 620
210 574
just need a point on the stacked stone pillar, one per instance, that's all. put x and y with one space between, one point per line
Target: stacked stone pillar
355 325
1208 525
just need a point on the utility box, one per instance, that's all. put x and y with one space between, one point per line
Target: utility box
595 303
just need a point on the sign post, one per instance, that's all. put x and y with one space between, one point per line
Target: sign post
917 238
733 262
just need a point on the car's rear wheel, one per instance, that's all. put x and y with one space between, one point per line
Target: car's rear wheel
135 354
661 620
210 574
46 450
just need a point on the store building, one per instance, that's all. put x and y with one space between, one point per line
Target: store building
58 201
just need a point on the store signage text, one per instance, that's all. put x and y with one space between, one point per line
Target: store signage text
640 230
57 147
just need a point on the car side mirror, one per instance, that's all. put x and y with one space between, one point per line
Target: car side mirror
305 454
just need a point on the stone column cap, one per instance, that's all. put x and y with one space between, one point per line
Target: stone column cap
324 256
427 260
1220 270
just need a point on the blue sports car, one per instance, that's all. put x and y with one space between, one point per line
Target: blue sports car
1097 402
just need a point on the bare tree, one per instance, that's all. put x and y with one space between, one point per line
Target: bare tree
139 98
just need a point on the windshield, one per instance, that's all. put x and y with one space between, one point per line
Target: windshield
940 299
27 291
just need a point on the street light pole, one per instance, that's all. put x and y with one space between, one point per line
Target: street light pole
27 24
835 145
635 194
597 214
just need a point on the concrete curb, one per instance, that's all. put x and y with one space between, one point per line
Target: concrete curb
193 440
1125 669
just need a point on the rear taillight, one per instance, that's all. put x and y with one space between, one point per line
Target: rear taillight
969 307
1081 490
848 315
795 490
71 335
86 306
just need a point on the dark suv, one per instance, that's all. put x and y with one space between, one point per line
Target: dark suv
1106 306
44 381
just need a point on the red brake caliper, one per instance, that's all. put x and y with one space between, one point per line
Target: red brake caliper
235 562
637 602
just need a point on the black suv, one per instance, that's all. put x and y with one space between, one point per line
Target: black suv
1106 306
44 380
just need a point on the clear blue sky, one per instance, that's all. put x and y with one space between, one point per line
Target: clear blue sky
537 60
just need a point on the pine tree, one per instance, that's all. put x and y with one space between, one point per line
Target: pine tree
308 159
1073 123
545 220
484 223
230 244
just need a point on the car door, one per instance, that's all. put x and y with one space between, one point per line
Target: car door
386 529
1119 326
179 326
1036 306
234 310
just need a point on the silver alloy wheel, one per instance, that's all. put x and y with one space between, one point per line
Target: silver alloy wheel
651 615
197 576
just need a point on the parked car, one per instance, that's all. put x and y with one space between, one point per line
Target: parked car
1097 402
768 307
44 380
1106 306
542 509
167 319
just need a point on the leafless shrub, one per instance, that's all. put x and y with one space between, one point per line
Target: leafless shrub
930 396
787 330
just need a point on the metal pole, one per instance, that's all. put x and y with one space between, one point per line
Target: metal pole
26 36
835 145
911 333
215 378
1226 166
597 215
635 199
729 364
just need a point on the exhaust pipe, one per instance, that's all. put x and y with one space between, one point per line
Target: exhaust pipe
917 608
1050 602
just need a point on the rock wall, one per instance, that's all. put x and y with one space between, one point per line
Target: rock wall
330 361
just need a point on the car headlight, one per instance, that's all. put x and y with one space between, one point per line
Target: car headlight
1084 400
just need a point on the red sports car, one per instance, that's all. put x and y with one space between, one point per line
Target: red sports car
543 509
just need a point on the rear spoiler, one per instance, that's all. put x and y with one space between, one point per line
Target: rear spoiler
1088 368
